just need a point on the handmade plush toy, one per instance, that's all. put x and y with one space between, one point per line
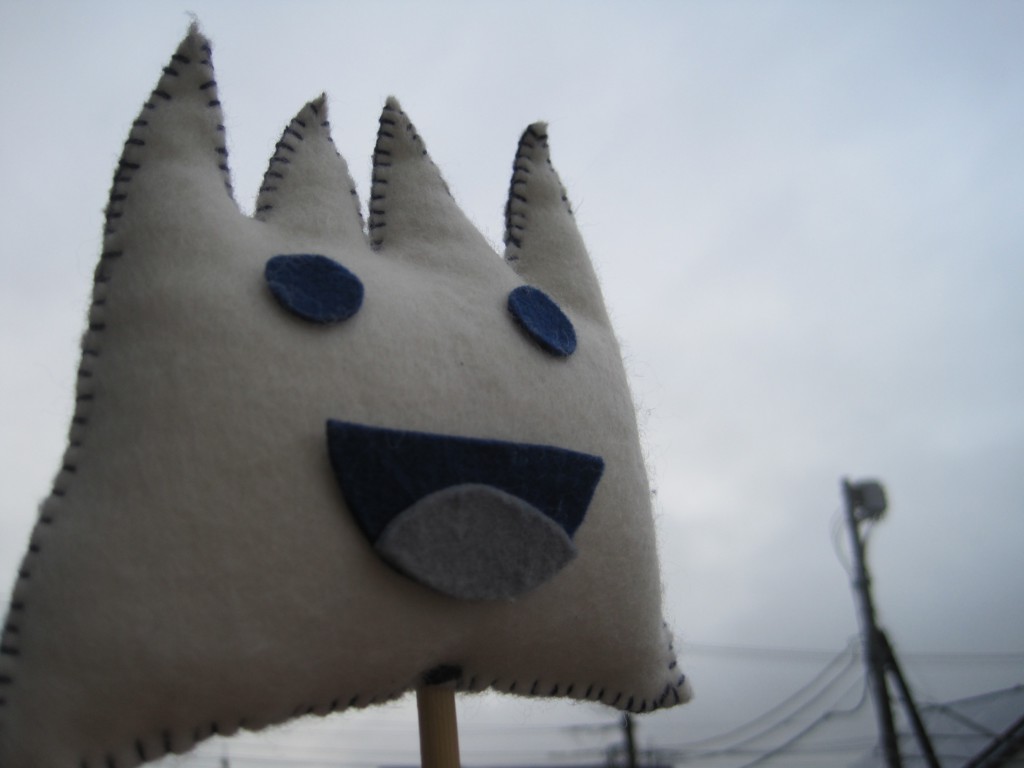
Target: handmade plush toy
313 465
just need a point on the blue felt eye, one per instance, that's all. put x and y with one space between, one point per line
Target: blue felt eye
314 287
540 317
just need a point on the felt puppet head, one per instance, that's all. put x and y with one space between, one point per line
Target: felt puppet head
313 464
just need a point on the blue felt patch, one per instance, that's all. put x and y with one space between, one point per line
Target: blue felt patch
542 318
383 472
314 287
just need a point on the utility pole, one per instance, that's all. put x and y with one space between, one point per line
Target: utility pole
627 728
920 732
866 501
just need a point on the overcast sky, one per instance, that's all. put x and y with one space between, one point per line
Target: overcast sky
808 219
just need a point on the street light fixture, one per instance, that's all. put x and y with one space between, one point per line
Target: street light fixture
868 499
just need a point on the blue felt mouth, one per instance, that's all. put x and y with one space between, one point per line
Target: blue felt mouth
473 519
383 472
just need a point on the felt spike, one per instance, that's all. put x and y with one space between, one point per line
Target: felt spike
542 242
410 203
307 187
175 160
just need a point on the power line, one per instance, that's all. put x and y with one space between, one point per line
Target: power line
827 716
758 652
818 654
697 749
846 654
837 547
789 744
981 657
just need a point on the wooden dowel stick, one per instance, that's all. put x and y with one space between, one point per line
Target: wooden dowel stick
439 728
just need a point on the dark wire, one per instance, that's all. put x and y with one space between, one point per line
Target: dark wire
814 725
847 655
837 546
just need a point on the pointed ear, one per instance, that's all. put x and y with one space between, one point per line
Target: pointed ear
542 243
175 162
410 203
307 187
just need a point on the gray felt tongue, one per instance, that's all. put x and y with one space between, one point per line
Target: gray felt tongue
476 542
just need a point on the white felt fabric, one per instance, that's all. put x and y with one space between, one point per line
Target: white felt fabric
195 569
